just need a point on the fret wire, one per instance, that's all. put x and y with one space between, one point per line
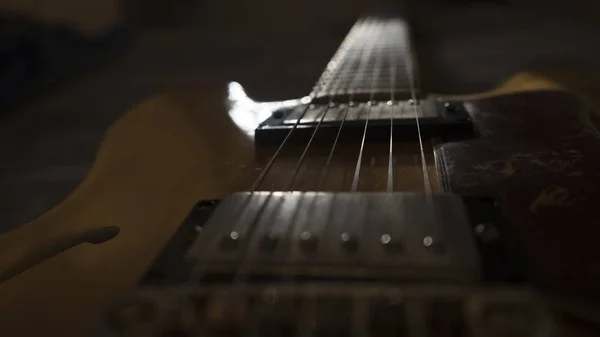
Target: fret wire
343 75
341 54
362 145
365 55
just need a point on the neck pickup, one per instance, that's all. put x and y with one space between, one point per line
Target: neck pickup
438 119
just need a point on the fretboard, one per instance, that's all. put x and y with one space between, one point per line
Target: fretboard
373 62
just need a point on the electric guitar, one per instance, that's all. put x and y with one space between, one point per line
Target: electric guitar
368 207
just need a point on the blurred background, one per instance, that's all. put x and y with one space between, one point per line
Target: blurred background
70 68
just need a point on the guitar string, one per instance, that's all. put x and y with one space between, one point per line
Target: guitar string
271 161
343 48
261 177
259 180
241 276
305 151
375 78
390 174
267 168
362 63
337 89
415 104
200 271
430 206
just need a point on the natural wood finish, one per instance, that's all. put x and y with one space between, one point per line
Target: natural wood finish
154 163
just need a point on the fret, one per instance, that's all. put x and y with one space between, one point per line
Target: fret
345 75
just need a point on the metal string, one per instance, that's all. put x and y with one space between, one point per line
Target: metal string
415 104
303 155
241 276
246 264
267 168
362 144
365 54
348 40
200 271
362 62
390 174
432 214
335 91
341 51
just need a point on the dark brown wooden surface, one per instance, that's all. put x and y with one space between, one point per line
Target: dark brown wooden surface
537 158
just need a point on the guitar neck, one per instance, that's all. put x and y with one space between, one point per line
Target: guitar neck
373 63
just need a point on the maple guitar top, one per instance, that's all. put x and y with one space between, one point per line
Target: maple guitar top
168 153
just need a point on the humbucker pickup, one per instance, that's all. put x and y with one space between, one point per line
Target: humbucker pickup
437 118
359 264
365 235
404 237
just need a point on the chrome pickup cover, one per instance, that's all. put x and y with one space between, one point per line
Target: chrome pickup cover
383 236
